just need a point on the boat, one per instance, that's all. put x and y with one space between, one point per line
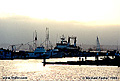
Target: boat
68 48
4 54
39 52
55 53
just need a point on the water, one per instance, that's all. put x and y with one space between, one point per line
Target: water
34 70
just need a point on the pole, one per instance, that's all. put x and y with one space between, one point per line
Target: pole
44 60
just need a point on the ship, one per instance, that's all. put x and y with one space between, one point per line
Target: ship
41 52
68 48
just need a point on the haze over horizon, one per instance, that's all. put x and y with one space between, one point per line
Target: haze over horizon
84 19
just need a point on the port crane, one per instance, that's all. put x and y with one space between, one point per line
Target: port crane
98 45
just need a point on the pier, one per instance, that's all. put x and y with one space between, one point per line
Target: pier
105 62
114 61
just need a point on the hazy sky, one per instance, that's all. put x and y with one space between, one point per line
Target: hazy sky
85 19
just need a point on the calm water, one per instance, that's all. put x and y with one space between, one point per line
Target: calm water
34 70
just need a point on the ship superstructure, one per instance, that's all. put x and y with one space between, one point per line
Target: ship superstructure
67 47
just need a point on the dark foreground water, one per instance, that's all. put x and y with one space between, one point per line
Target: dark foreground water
18 70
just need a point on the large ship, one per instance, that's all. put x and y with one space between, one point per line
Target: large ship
68 48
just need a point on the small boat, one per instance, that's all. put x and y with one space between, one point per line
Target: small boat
5 53
55 53
39 52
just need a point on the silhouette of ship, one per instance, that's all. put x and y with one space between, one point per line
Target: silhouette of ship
66 46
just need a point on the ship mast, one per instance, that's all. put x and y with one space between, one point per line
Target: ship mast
62 38
47 39
35 39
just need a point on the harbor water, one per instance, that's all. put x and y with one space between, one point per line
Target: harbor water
33 69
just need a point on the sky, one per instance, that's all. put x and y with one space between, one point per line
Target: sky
85 19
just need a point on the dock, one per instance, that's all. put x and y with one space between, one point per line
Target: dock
105 62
